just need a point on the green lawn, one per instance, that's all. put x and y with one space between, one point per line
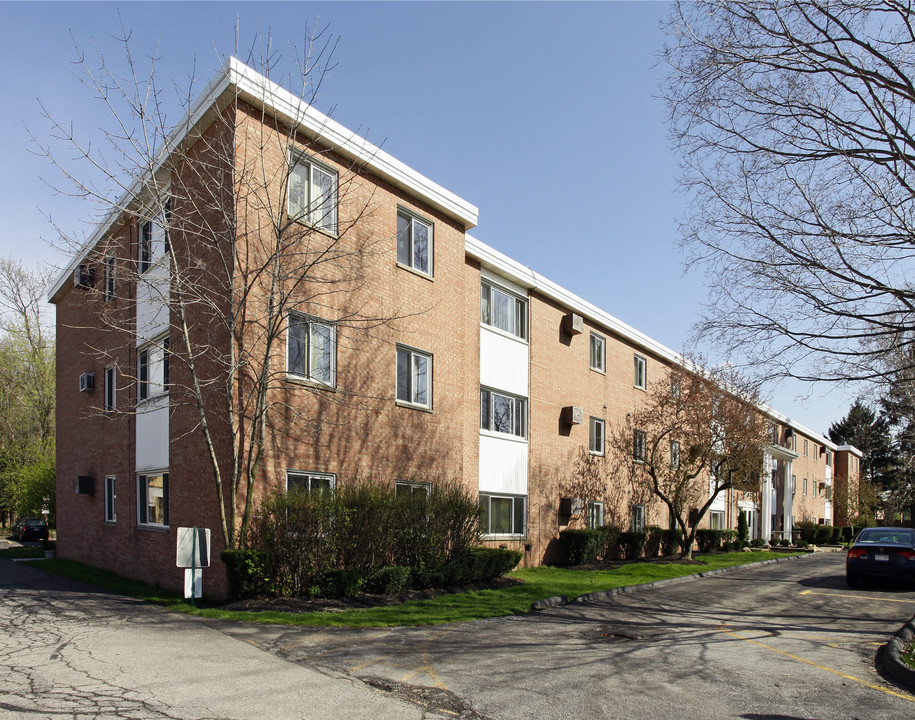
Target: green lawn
22 552
538 583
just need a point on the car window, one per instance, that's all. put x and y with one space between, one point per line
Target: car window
899 537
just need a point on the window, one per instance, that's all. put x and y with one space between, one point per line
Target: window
640 378
595 515
152 497
405 489
311 349
674 454
503 413
502 515
110 500
500 309
598 353
828 458
639 445
814 489
638 518
313 194
145 253
675 387
414 377
110 389
597 436
793 485
414 242
716 519
309 482
152 370
110 266
773 433
805 447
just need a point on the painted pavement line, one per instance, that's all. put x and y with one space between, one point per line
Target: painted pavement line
858 597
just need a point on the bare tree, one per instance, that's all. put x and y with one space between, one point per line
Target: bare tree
247 229
690 441
795 123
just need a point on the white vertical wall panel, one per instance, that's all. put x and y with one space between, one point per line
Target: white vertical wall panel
152 299
152 434
503 362
503 465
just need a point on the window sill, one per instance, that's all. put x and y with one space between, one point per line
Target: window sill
153 528
503 436
598 370
640 387
412 406
503 536
595 453
503 333
151 399
333 234
307 382
420 273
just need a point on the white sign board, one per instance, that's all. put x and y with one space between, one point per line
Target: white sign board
193 583
190 553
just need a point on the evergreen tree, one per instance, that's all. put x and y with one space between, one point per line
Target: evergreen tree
870 432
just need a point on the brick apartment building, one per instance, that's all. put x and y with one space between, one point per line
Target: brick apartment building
431 357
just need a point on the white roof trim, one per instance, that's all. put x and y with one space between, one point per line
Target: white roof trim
500 263
257 89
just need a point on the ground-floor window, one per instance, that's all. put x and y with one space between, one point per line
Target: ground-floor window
502 514
152 498
110 500
716 519
297 481
407 489
638 518
595 515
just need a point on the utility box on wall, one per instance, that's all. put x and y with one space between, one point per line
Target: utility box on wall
85 485
571 506
572 415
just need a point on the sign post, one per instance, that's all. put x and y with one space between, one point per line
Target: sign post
194 555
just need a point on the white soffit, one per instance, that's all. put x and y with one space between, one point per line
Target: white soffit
257 89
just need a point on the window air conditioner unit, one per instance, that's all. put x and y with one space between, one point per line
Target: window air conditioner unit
85 485
572 415
571 506
87 382
574 324
84 276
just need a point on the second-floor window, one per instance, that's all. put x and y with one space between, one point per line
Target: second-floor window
313 194
596 445
311 346
503 413
152 370
414 377
110 269
639 445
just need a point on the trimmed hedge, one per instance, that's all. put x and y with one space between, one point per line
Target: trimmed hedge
653 535
632 544
671 540
581 547
708 540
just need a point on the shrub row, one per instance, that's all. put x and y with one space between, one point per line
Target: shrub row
581 547
815 534
363 537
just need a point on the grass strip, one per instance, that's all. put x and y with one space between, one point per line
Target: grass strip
538 583
22 552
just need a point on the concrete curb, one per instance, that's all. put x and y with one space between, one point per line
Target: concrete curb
560 600
892 663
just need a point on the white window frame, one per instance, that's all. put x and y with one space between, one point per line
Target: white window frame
111 497
675 454
716 519
143 502
408 393
597 436
111 389
153 357
311 210
518 407
409 488
406 241
675 387
598 354
314 480
519 326
805 447
639 445
640 371
805 487
637 517
306 372
518 515
145 251
595 514
110 278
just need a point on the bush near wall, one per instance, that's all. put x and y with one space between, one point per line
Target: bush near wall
708 540
653 536
363 538
671 541
632 544
581 547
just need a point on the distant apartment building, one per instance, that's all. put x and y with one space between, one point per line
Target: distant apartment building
433 357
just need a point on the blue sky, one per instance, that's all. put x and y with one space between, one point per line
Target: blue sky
544 115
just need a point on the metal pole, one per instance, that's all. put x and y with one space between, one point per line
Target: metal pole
193 564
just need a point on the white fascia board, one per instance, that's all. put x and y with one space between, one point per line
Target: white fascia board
257 89
525 276
852 449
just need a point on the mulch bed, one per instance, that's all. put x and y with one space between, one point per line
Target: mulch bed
362 600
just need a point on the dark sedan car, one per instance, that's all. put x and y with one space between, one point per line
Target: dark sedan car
30 529
881 553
